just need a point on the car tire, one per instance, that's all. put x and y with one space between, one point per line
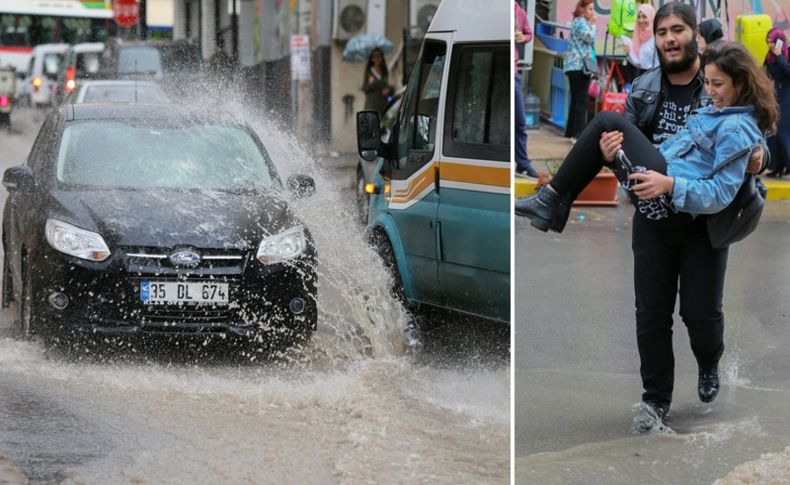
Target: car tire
28 321
383 246
363 199
8 282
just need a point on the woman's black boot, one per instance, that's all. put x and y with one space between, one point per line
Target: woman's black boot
541 208
562 214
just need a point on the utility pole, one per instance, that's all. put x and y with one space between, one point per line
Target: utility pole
143 24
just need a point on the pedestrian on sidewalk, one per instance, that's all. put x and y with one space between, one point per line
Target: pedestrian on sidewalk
676 248
581 46
776 64
522 36
708 32
376 84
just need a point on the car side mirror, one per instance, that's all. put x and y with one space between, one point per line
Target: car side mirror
368 135
19 177
301 185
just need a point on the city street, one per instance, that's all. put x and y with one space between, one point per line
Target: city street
577 367
355 405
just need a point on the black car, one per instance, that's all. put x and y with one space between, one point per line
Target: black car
136 219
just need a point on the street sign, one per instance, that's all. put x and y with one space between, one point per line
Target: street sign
126 12
300 57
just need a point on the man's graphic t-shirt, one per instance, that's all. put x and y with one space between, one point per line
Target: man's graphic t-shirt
671 115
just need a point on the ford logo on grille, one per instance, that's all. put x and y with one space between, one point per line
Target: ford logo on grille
185 257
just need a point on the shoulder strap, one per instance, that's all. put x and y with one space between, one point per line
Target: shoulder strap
731 159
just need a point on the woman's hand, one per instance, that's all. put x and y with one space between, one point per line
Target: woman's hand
651 184
610 142
519 37
777 50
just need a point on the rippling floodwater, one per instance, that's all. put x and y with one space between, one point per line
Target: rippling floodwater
351 407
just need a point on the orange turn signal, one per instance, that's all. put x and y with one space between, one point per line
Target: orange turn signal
387 188
371 189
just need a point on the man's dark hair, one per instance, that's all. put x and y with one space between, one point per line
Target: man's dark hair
682 10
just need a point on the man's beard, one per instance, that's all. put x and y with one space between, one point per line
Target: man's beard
684 63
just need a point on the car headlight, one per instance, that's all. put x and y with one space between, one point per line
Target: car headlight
75 241
283 246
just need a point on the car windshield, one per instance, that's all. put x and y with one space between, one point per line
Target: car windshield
129 154
139 60
124 93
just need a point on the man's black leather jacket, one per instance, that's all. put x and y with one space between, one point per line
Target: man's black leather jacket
649 90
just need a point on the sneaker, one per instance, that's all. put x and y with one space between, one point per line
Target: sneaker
650 418
528 173
573 140
708 384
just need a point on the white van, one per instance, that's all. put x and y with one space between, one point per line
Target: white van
439 209
41 83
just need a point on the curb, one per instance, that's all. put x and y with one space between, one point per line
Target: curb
777 189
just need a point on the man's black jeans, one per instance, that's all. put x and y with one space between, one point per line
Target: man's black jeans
666 255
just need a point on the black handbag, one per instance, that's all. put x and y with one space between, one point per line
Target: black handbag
590 67
740 217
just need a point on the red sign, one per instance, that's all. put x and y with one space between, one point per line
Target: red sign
126 12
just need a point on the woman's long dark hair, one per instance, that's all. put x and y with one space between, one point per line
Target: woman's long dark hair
384 71
754 86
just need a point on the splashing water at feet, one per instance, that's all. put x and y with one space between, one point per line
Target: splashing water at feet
647 420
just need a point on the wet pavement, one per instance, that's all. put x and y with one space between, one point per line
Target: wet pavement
352 406
577 368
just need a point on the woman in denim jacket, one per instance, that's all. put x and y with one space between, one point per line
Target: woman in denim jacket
744 106
580 47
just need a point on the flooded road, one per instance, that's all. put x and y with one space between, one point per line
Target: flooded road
353 406
577 366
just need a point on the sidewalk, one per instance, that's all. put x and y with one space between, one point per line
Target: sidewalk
546 146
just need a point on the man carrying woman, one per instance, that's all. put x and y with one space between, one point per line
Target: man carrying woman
672 253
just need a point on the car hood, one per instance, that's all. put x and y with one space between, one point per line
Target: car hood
167 218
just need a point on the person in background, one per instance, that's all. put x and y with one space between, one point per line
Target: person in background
777 67
581 45
376 83
641 49
523 35
708 31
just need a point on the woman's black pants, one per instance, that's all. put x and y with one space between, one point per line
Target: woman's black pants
670 256
578 84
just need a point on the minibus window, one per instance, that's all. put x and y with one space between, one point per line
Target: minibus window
421 105
478 121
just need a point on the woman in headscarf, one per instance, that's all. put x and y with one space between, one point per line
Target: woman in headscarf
642 51
776 64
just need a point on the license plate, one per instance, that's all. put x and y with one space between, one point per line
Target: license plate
180 292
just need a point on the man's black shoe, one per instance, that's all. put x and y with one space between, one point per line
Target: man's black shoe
708 384
650 417
541 208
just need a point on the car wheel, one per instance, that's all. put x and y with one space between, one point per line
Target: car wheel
27 314
363 199
382 243
8 282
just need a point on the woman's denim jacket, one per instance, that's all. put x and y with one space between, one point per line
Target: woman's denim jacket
711 136
582 39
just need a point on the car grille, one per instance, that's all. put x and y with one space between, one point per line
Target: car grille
153 259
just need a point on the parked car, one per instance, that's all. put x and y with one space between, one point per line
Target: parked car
366 170
80 62
440 210
117 91
154 219
177 65
7 92
40 85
